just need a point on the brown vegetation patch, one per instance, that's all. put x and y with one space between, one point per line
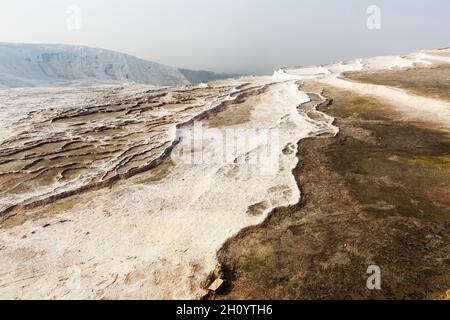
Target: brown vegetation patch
366 200
432 82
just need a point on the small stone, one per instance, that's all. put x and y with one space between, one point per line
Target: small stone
216 285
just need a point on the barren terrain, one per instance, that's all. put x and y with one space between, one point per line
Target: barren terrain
284 187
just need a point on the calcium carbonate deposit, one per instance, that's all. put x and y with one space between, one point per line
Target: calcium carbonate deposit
129 191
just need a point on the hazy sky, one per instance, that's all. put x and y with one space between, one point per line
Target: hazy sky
249 36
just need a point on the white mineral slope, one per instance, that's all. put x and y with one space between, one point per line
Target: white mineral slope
30 65
19 103
159 240
434 56
413 106
25 102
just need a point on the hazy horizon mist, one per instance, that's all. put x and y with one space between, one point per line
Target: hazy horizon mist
250 36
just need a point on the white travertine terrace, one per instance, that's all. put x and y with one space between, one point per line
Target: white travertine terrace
147 238
414 106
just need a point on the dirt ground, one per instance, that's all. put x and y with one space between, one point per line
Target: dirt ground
377 194
431 82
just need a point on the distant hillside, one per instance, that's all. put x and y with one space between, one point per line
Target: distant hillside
205 76
35 65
